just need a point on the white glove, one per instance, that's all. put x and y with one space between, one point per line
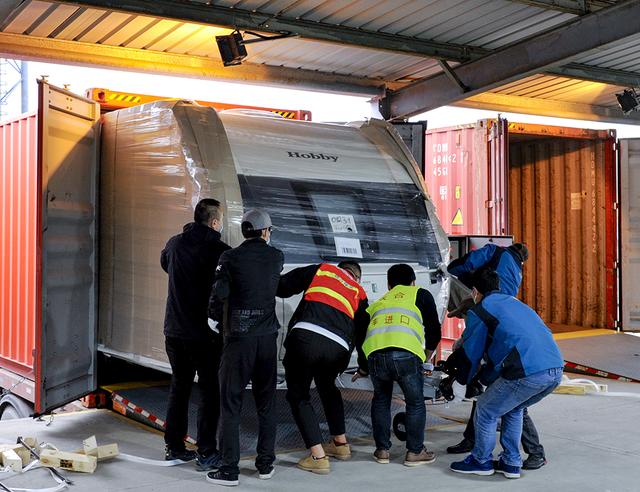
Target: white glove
213 325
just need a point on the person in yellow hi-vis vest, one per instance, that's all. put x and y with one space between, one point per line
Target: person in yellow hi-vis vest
403 332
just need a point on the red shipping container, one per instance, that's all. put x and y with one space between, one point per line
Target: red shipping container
553 188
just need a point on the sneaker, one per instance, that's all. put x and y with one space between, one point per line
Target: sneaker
321 466
381 456
337 451
265 472
219 477
534 462
471 466
424 457
182 455
464 446
209 462
508 471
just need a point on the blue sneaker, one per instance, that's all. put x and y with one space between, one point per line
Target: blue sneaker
210 462
508 471
471 466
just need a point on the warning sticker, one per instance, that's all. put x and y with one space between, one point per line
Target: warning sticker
348 247
343 223
457 218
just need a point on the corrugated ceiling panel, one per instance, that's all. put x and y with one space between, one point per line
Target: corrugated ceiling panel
53 20
199 38
153 34
27 17
106 27
185 31
625 56
80 25
129 31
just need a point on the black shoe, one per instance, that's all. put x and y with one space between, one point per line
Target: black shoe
222 478
208 462
265 472
182 455
464 446
534 462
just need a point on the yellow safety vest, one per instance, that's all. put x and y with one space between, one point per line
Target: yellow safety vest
396 321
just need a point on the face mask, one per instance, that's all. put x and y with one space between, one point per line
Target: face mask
221 229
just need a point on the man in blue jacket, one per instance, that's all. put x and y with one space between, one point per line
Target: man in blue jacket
522 365
508 264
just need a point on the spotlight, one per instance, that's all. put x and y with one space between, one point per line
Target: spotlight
232 46
629 100
232 49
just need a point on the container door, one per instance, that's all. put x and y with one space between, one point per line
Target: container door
630 232
67 179
413 135
498 203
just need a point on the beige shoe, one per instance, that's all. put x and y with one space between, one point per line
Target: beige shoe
321 466
424 457
342 452
381 456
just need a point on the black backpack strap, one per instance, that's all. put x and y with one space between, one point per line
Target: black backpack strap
495 259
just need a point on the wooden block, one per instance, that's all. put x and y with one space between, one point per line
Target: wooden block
20 450
570 389
105 452
90 446
68 461
33 443
11 459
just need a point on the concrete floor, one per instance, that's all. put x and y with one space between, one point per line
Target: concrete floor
592 444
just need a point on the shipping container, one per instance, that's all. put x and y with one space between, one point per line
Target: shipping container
552 188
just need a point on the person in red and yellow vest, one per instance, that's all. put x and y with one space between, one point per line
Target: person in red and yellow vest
319 345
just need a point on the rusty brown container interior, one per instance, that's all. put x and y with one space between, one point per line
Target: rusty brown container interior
561 204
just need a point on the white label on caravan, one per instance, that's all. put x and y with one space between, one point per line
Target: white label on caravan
348 247
343 223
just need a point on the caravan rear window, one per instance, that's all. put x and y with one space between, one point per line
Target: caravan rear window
322 220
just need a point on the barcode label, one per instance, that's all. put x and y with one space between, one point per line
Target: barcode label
348 247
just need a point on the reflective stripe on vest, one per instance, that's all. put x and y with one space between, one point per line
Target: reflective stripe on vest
334 287
396 321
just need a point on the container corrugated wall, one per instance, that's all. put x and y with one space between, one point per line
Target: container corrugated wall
18 200
559 206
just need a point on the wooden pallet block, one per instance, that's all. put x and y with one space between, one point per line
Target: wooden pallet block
11 459
68 461
104 452
20 450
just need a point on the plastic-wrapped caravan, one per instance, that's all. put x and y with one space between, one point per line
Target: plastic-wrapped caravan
333 192
88 203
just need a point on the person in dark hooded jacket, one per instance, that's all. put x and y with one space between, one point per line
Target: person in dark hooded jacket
190 259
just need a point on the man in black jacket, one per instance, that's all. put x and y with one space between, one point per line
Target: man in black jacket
190 259
319 346
246 283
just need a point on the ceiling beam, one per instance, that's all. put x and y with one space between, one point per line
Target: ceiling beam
597 74
202 13
137 60
527 57
548 107
577 7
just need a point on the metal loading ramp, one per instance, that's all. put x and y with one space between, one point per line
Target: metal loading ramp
602 353
148 404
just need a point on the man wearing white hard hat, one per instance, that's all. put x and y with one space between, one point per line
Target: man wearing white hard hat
246 285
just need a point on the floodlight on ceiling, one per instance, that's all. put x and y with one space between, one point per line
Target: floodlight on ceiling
628 100
232 46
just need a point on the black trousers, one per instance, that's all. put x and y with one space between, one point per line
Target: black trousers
530 440
188 357
248 359
313 357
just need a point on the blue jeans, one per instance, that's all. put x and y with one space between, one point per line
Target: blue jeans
405 368
507 398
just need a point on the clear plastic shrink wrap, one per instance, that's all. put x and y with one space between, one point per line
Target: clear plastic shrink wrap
333 192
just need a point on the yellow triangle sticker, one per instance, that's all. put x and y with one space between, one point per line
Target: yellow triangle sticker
457 218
